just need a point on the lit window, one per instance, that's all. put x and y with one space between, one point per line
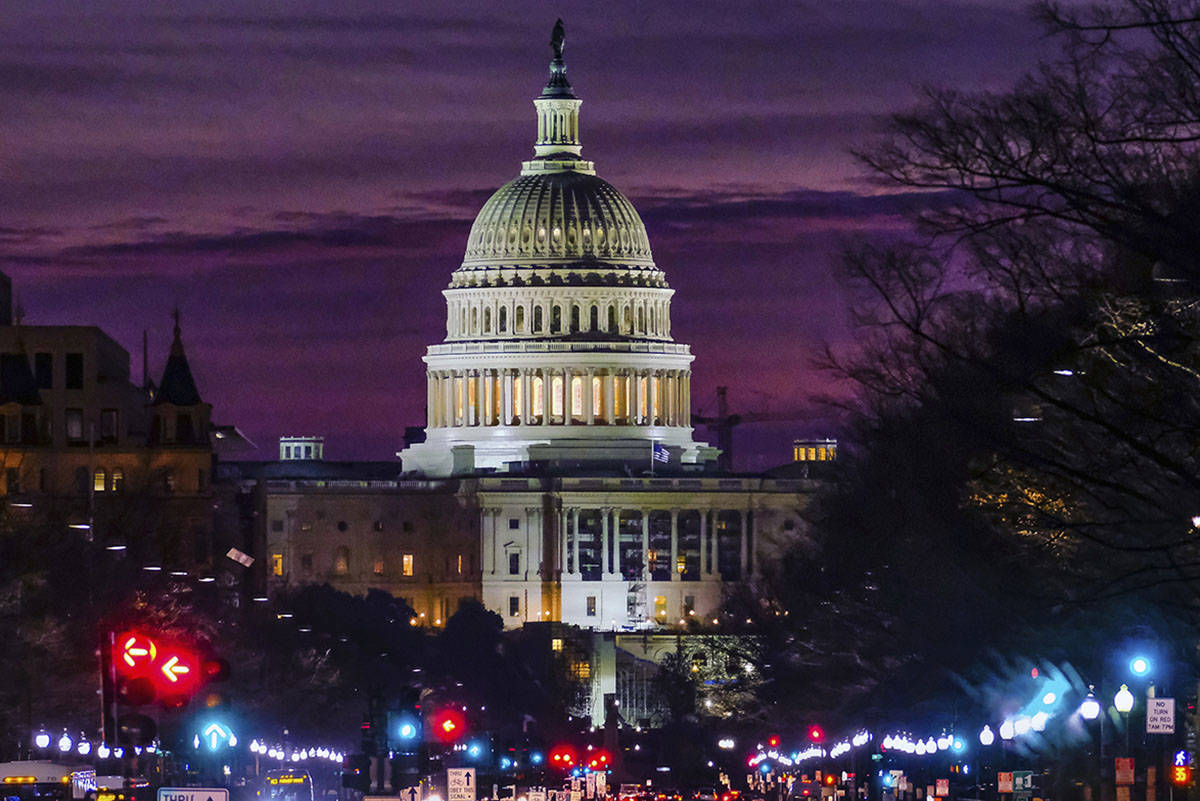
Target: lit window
680 563
277 564
591 606
460 564
407 564
99 481
556 644
118 480
660 606
341 561
378 568
514 605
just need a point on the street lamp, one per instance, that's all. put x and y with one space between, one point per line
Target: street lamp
1139 666
987 736
1090 708
1123 701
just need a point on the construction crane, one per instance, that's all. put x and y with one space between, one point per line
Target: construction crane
723 424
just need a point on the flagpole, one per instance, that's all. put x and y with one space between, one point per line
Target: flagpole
652 444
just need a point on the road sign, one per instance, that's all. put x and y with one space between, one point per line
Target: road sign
1160 715
1004 782
410 794
1022 781
1124 770
460 784
193 794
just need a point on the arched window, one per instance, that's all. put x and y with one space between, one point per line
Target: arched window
487 321
641 324
612 319
577 399
474 320
627 321
81 481
575 318
556 398
594 318
556 319
537 319
519 320
503 319
99 480
341 560
118 480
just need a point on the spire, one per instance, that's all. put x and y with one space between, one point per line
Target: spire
177 387
557 148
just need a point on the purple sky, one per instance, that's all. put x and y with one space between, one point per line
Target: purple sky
300 178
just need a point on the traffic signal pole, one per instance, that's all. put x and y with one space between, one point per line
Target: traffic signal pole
108 691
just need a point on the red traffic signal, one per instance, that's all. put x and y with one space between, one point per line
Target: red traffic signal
448 725
563 756
599 760
773 741
816 734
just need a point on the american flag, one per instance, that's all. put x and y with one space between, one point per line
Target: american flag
661 454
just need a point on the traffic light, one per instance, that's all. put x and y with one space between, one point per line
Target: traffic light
816 734
1181 770
599 760
448 725
142 668
562 757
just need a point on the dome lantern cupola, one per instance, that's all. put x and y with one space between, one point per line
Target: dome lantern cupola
557 147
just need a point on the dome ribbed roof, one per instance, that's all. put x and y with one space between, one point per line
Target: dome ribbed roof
555 218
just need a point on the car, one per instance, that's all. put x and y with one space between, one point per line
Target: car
629 792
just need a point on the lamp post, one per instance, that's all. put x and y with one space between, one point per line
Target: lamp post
1123 701
1090 710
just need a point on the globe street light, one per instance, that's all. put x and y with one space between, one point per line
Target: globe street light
1123 701
1139 666
1090 708
987 736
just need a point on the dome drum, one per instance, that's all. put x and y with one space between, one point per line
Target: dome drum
491 314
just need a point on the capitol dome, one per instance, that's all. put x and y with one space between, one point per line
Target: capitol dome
555 218
558 344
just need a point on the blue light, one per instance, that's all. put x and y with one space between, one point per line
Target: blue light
474 750
966 769
1139 666
888 780
408 728
958 744
765 768
505 763
536 757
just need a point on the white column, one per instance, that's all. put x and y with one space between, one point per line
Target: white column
567 399
703 543
604 552
610 397
645 545
635 393
674 544
616 549
575 543
589 413
526 397
545 396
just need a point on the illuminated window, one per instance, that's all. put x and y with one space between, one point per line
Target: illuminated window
556 644
519 320
276 564
378 567
577 397
556 398
660 606
581 669
460 564
407 564
514 605
680 564
341 560
591 606
99 480
538 400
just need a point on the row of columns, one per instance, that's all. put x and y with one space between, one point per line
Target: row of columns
610 519
520 397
